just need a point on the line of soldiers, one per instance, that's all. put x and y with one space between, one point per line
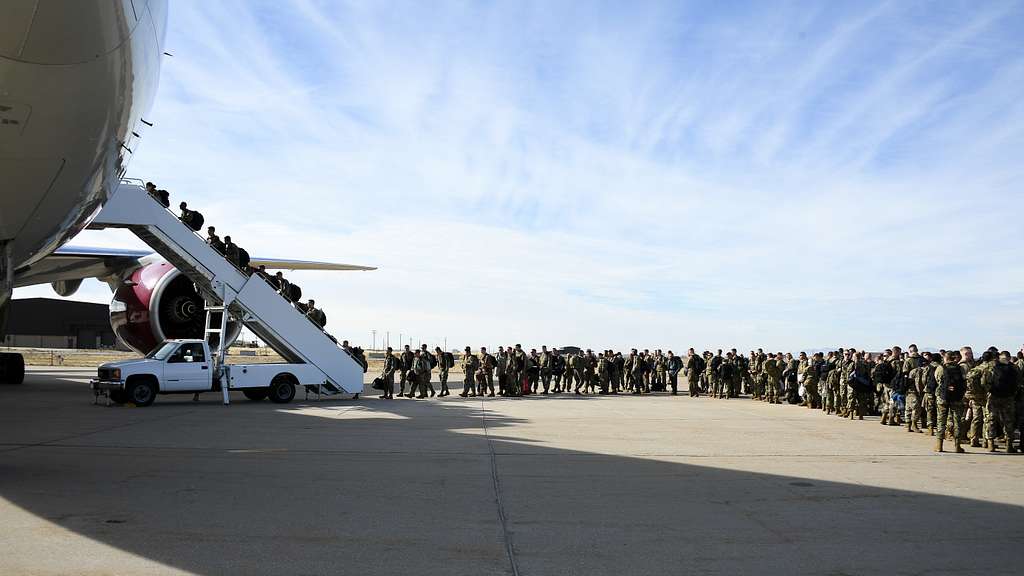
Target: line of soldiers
948 393
514 372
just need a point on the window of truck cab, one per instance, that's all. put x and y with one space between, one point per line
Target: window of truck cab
161 353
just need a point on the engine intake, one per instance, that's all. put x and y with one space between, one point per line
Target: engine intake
157 302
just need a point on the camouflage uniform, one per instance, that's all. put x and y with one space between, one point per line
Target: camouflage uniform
977 399
772 372
950 410
487 364
858 400
407 358
546 365
812 376
920 377
693 374
391 365
928 407
469 363
1000 408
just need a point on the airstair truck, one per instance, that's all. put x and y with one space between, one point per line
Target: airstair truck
187 366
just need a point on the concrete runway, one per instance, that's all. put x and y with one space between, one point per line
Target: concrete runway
557 485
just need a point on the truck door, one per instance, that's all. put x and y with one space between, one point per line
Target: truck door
187 369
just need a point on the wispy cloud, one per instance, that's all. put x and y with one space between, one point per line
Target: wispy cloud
667 174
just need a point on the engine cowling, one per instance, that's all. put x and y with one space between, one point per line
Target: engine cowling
157 302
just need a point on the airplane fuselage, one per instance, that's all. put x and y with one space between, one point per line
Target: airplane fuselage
76 79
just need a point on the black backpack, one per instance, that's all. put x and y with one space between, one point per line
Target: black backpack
433 360
1004 384
449 360
858 382
956 385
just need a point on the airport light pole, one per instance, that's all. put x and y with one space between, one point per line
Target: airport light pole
374 347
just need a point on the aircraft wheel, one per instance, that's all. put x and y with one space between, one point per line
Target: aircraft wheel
12 368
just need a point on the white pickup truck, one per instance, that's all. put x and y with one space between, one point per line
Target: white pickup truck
186 366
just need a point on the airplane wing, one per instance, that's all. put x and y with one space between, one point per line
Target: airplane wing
280 264
76 263
70 263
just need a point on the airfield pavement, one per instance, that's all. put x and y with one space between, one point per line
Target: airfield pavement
533 486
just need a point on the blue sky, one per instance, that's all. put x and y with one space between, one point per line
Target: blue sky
779 174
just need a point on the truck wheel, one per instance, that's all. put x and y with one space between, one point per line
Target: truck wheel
141 392
282 389
256 394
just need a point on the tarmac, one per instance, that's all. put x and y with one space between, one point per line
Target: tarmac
558 485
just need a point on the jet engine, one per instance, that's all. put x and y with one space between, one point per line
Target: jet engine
157 302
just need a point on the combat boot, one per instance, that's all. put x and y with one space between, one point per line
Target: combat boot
990 445
885 418
938 444
931 430
1009 445
975 443
959 450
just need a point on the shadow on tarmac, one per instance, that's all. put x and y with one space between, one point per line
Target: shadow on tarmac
379 487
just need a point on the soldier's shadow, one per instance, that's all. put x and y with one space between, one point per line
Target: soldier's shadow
380 487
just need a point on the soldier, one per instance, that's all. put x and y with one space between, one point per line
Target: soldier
421 375
500 368
442 370
659 380
674 364
408 374
190 218
976 398
920 377
604 371
693 369
589 369
516 371
487 364
928 416
1002 381
469 365
545 365
636 366
557 370
391 363
843 364
811 379
950 389
772 372
711 370
883 374
315 315
532 372
579 367
861 392
214 241
903 384
790 386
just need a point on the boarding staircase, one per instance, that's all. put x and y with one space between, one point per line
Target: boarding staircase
248 299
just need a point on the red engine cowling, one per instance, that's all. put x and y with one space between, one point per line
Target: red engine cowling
157 302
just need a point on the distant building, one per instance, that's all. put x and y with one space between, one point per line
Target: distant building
53 323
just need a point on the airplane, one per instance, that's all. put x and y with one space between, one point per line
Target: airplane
77 80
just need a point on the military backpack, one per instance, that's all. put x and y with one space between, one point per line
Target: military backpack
956 385
1004 381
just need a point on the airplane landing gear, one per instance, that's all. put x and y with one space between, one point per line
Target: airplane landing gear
12 368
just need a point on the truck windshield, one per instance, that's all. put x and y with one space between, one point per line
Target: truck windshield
162 351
